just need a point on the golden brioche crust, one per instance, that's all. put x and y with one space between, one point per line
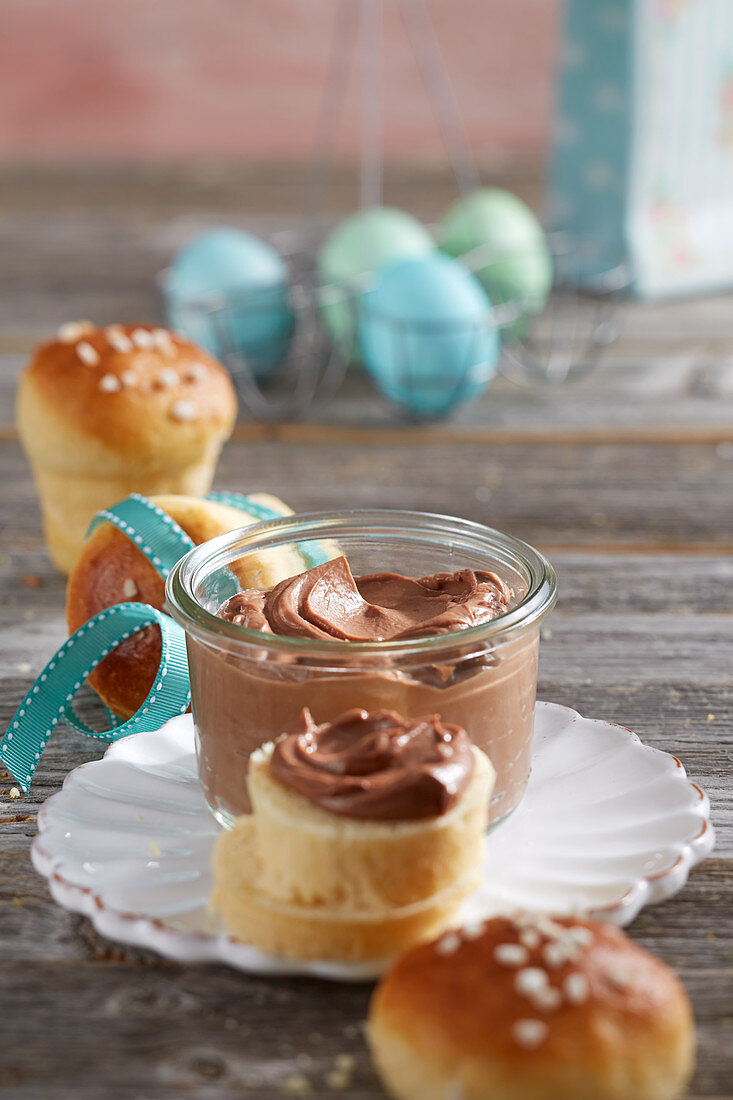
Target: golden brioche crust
337 932
111 569
84 404
620 1025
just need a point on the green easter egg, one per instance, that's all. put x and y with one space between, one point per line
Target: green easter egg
357 248
519 264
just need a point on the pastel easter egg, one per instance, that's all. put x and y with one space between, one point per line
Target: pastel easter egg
518 267
353 251
249 279
426 334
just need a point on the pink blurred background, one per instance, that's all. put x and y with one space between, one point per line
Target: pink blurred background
181 79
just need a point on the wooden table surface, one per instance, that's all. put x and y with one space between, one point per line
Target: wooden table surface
625 478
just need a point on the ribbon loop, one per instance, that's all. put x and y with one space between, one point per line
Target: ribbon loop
313 552
164 543
153 531
246 504
51 696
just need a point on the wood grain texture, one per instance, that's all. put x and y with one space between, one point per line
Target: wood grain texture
625 478
556 496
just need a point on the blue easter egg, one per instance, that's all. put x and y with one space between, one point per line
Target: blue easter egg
228 291
426 334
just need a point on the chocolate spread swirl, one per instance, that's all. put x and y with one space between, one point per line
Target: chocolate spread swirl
376 766
327 602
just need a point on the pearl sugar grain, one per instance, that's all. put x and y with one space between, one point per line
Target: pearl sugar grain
110 383
529 980
72 331
87 353
167 377
118 340
183 410
529 1034
448 944
530 937
141 338
511 954
548 998
576 988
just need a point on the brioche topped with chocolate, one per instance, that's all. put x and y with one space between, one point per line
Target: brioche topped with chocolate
532 1007
366 835
376 766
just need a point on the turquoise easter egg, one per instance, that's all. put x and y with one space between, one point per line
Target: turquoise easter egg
357 247
518 267
426 334
249 279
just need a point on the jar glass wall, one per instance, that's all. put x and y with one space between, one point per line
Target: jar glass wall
248 687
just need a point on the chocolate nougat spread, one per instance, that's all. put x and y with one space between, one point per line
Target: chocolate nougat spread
246 694
376 766
327 602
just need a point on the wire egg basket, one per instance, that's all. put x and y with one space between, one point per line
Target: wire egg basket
564 337
273 340
284 359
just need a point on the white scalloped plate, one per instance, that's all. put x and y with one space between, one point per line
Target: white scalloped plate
607 826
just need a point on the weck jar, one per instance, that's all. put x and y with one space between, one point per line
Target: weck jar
249 687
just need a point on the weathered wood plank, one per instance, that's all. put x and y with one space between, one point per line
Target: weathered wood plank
588 581
626 397
208 1031
567 497
218 187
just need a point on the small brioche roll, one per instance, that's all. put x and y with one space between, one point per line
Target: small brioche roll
532 1010
314 857
111 569
334 932
104 412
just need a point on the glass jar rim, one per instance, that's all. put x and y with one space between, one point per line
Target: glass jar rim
222 550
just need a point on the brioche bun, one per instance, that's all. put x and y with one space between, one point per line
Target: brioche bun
532 1011
111 570
104 412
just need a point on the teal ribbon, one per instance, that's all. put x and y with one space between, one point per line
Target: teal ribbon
153 531
246 504
51 697
314 553
163 542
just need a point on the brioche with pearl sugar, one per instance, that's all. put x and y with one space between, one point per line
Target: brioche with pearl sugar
532 1008
106 411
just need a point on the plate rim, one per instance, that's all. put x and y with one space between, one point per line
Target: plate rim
184 945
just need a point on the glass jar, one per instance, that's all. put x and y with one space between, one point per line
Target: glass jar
248 687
